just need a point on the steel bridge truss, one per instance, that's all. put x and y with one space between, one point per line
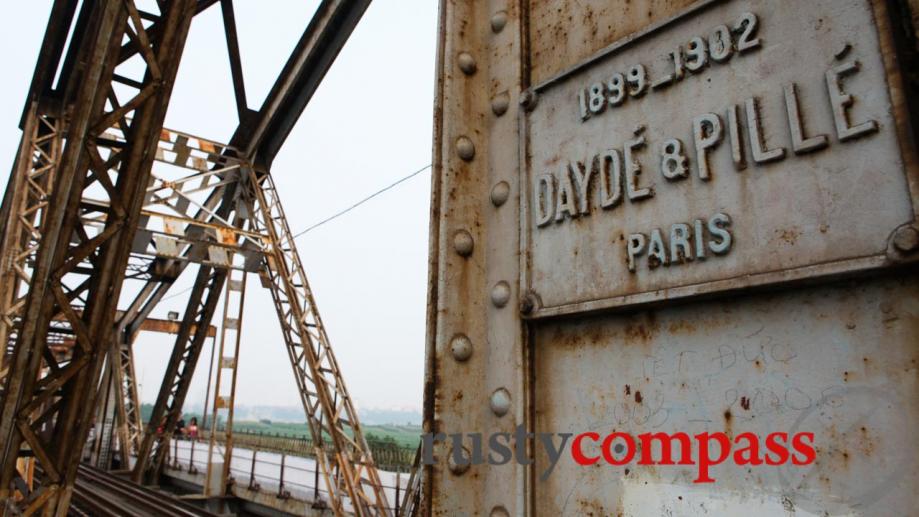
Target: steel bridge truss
101 194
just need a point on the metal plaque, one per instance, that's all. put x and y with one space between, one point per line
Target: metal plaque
740 143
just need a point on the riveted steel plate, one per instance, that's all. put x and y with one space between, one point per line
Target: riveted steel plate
839 362
740 143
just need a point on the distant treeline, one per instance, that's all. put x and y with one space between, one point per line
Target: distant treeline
393 446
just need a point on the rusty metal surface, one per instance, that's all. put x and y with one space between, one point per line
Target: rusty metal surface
809 317
225 392
99 493
85 212
169 327
50 407
475 341
637 191
841 362
563 32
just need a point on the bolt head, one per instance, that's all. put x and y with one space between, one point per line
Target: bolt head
461 347
499 193
906 238
500 294
528 100
466 63
465 149
463 243
529 303
499 511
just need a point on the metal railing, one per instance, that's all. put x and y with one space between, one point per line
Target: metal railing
291 476
387 455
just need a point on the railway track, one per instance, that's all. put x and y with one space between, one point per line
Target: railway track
100 494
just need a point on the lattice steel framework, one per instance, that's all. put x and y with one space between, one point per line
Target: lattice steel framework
100 194
81 256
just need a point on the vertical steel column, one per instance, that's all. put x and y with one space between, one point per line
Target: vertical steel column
475 332
200 311
319 379
81 260
233 325
31 184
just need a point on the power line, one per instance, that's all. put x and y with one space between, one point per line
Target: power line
362 201
335 216
173 295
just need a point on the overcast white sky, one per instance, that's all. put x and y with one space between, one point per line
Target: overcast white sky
368 125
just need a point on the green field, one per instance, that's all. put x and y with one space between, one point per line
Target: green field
404 435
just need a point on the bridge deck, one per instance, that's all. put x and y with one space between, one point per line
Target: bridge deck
98 493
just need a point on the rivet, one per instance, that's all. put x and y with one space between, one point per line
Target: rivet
463 243
459 469
906 238
500 294
498 21
466 63
500 103
528 100
465 149
500 402
499 193
499 511
461 346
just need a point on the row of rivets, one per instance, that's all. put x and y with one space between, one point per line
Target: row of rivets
500 401
460 345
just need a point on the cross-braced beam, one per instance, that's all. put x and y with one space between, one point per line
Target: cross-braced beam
88 214
350 472
83 251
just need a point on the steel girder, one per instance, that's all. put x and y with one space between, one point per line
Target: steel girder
82 253
330 411
320 44
157 246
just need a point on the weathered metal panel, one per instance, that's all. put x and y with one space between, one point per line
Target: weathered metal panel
563 32
809 319
475 340
734 144
840 362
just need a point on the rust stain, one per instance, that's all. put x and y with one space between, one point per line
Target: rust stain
789 235
628 389
638 397
591 508
208 147
744 403
681 326
866 442
587 28
641 328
